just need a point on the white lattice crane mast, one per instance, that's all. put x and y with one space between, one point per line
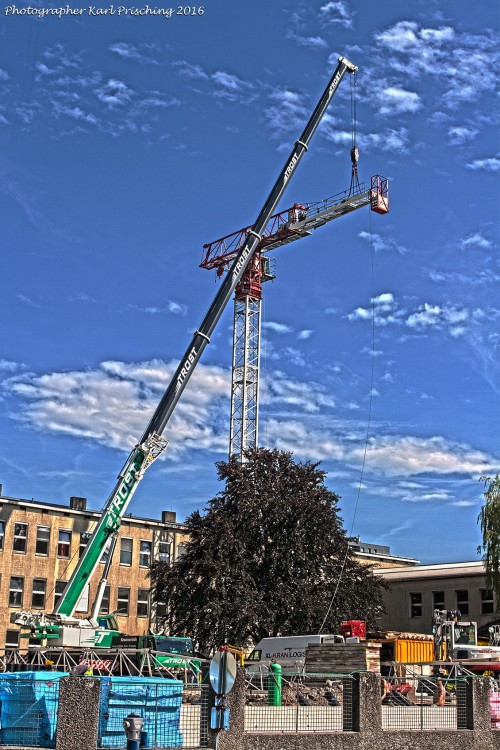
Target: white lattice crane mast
285 227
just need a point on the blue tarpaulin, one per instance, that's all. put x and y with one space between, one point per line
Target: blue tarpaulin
157 700
28 708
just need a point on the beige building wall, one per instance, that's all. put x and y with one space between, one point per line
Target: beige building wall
415 592
40 546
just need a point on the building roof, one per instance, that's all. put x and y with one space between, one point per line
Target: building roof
439 570
67 510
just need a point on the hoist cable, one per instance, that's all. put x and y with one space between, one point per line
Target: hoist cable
354 186
367 434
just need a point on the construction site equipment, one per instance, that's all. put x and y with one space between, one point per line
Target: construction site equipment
152 444
456 640
287 226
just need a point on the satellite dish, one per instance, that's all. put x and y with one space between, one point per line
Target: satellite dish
223 670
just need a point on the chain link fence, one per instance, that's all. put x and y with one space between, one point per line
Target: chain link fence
424 703
303 703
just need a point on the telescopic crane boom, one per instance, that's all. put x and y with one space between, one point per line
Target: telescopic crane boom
151 444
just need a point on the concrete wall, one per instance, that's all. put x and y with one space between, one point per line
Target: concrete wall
368 734
79 701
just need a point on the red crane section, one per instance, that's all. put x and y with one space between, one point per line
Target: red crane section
297 221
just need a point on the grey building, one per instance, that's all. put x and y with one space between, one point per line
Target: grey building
415 592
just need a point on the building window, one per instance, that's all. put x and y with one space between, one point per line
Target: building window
42 540
12 639
145 554
16 591
125 551
487 607
38 593
58 589
104 608
123 600
64 543
84 540
463 602
416 605
181 550
2 535
438 599
142 602
164 551
20 537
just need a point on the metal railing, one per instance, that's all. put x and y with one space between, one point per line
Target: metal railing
303 703
424 703
175 715
28 711
113 662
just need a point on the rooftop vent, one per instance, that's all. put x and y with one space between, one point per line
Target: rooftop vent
78 503
168 516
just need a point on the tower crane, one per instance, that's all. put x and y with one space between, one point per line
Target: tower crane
284 227
151 445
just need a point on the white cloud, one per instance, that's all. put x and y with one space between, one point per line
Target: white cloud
476 240
387 456
314 42
384 310
114 93
177 309
305 334
27 300
6 365
336 12
452 57
459 135
137 53
4 76
407 37
112 404
434 316
277 327
393 100
286 112
380 243
491 164
387 140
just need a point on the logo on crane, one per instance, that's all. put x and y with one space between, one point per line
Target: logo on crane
289 169
123 493
334 85
185 368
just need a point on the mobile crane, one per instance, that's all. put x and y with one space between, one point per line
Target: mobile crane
61 627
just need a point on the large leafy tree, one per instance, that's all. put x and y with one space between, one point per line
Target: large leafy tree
268 557
489 518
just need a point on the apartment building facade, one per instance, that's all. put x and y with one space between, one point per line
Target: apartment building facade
41 543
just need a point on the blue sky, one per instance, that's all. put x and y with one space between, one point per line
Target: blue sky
129 142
